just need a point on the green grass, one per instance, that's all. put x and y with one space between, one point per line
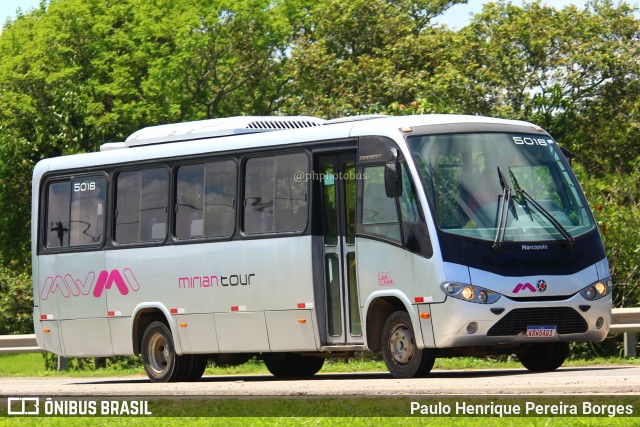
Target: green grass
321 421
32 365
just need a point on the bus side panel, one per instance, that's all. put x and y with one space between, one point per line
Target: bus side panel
235 277
48 286
241 332
197 333
121 338
291 330
83 286
86 338
426 325
50 333
382 266
384 269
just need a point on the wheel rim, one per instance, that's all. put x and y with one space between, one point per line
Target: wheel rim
158 353
401 344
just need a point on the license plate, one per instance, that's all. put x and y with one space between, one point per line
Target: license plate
541 331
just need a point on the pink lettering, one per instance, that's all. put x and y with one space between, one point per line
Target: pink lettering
69 286
385 278
522 287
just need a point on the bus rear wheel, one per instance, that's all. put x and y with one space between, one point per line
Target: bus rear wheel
290 365
161 363
399 350
543 357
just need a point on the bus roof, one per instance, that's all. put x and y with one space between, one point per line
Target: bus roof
214 128
238 133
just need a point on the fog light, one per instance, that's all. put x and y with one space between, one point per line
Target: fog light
599 322
472 328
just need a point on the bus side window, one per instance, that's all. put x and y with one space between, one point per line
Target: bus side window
87 211
189 202
205 200
414 229
275 201
57 223
220 198
75 212
141 205
379 213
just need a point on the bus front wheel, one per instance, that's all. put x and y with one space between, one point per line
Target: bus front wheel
399 350
161 363
542 357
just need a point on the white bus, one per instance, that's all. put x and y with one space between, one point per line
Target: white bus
297 239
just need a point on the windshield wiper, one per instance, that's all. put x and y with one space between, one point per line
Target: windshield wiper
527 198
505 203
521 199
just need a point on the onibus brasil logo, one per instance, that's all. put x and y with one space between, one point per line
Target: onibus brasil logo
68 286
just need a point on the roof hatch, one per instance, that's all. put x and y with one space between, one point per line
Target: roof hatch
212 128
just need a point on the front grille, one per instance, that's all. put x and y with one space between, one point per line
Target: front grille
567 320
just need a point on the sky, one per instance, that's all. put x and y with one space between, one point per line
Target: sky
459 15
456 17
8 8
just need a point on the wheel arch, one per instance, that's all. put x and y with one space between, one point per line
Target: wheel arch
145 314
378 307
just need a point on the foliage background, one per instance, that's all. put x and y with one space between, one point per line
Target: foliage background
75 74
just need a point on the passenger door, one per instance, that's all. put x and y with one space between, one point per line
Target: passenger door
338 182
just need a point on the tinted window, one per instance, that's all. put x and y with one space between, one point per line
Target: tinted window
464 176
275 196
141 205
75 212
87 211
205 200
379 213
58 199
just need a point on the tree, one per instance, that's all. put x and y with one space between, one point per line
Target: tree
78 73
573 71
360 56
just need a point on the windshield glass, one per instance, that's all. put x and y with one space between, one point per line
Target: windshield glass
465 175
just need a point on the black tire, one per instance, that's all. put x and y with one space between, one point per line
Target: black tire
161 363
543 357
291 365
197 365
399 350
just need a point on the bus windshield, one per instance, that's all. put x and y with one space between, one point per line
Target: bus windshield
512 185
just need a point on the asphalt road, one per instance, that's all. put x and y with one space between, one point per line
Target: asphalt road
600 380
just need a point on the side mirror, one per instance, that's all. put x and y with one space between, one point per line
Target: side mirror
567 155
393 179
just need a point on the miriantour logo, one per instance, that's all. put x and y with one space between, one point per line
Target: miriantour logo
541 286
68 286
524 287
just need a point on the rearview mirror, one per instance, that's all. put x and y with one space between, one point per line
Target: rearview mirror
393 179
567 155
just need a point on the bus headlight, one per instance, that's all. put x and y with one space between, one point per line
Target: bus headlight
597 290
470 293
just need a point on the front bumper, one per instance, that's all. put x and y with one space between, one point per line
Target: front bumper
576 320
